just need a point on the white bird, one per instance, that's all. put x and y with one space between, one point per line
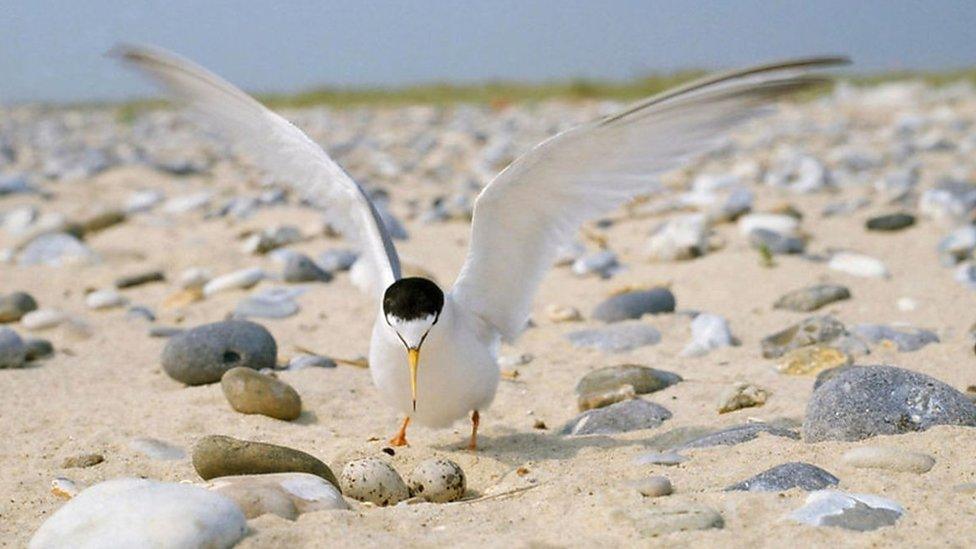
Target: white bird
520 219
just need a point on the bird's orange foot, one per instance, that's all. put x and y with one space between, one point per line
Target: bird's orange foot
475 420
401 437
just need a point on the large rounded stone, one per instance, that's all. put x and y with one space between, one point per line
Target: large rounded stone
219 456
631 305
621 417
284 494
787 476
203 354
250 392
607 385
868 401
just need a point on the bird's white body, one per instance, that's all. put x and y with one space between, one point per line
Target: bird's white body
458 370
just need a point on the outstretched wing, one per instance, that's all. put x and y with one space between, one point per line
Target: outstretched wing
279 148
540 200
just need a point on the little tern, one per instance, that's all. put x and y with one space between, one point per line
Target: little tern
433 354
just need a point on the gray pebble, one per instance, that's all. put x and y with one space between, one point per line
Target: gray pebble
617 338
906 338
603 264
890 222
310 361
812 298
593 389
202 355
157 449
621 417
335 261
36 349
654 486
138 279
858 512
787 476
14 306
675 517
737 435
888 458
13 353
219 456
810 331
776 243
660 458
300 268
165 331
633 305
269 303
140 312
250 392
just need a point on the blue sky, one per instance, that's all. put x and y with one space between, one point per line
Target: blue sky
52 51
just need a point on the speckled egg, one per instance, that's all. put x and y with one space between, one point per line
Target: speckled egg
373 480
437 480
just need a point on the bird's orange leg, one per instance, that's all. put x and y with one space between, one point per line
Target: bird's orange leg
475 419
401 437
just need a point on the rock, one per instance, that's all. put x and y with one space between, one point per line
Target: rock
563 313
143 201
82 460
164 331
659 520
140 312
888 458
102 220
300 268
660 458
202 355
105 299
157 449
682 237
220 456
36 349
958 245
310 361
238 280
621 417
741 395
813 360
64 488
16 305
633 305
437 481
130 512
783 225
859 512
787 476
810 331
13 353
599 387
603 264
250 392
653 486
737 435
287 495
334 261
138 279
194 278
270 303
858 265
867 401
949 202
775 243
890 222
617 338
375 481
708 332
55 249
187 203
810 299
270 239
906 339
515 360
966 275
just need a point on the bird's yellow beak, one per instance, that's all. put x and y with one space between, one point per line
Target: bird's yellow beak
413 357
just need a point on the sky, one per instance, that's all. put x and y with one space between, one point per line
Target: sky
53 50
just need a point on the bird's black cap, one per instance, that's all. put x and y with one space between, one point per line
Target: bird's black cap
412 298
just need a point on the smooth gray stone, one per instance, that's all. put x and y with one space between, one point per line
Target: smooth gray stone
334 261
140 312
36 349
310 361
776 243
810 331
659 520
641 378
958 245
138 279
868 401
15 184
53 249
14 306
300 268
785 477
202 355
617 338
603 263
906 338
165 331
890 222
269 303
737 435
858 512
621 417
660 458
157 449
633 305
13 353
812 298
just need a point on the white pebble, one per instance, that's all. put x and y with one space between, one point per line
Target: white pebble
892 459
781 224
242 279
105 299
708 332
858 265
43 319
194 277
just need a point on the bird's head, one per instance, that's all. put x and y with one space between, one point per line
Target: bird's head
411 307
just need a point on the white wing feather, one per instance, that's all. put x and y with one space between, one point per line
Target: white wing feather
540 200
281 149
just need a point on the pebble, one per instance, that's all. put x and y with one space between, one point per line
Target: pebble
890 222
601 387
36 349
622 417
187 203
237 280
437 481
194 278
659 520
958 245
617 338
140 312
810 331
270 239
737 435
660 458
868 401
271 303
138 279
787 476
143 201
301 268
64 488
16 305
783 225
810 299
82 460
131 512
287 495
708 332
221 456
682 237
250 392
165 331
13 353
310 361
741 395
653 486
858 265
888 458
563 313
105 299
813 359
906 338
337 260
102 220
201 355
633 305
775 243
55 249
375 481
603 264
859 512
157 449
